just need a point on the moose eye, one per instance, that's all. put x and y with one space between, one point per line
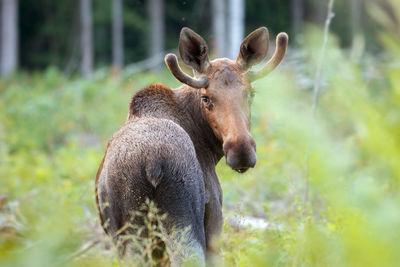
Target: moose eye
207 101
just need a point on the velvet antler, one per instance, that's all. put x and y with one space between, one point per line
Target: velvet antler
172 63
280 51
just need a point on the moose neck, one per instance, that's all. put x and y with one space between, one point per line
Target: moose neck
208 147
183 106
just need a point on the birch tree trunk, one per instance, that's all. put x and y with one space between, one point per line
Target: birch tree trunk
9 37
117 35
320 10
219 27
297 10
236 26
156 14
86 38
355 17
357 35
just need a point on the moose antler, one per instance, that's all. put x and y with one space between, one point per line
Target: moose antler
172 63
279 54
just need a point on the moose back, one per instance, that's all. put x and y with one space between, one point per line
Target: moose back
173 138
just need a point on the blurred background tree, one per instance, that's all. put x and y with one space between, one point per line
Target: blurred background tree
86 37
117 32
37 34
9 37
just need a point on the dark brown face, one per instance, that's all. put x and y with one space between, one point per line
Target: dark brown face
226 102
226 93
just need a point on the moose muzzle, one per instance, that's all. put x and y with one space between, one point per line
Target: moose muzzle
240 154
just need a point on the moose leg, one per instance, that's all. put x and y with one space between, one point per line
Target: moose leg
119 198
182 199
213 218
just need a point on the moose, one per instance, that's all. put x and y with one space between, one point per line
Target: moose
172 140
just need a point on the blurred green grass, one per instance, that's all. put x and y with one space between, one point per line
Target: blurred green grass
53 133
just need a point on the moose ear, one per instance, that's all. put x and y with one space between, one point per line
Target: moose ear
193 50
254 48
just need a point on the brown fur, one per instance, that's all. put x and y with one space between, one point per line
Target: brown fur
96 188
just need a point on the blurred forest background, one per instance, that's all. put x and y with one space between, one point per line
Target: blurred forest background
326 188
88 34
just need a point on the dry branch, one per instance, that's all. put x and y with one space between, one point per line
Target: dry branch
316 91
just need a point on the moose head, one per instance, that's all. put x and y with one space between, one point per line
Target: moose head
225 88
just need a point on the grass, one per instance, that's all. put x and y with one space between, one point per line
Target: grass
53 132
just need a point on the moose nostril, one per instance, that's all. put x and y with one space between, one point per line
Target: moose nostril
253 160
229 160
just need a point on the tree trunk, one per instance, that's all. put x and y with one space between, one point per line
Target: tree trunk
355 17
86 38
357 36
320 7
297 10
219 28
236 26
117 35
156 14
9 37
